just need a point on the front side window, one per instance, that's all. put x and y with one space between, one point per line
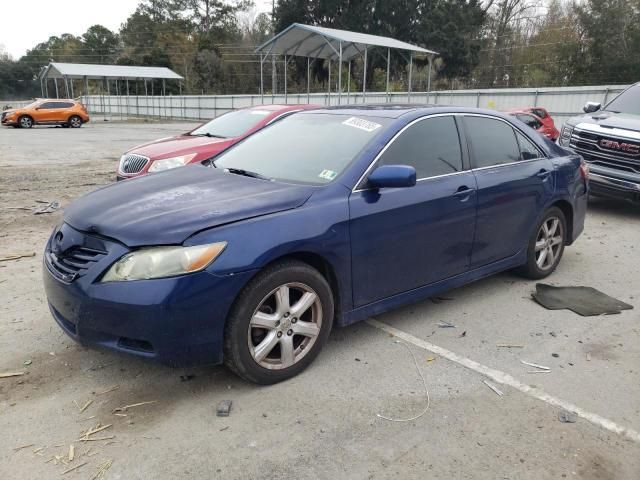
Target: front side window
49 105
493 141
431 146
232 124
304 148
627 102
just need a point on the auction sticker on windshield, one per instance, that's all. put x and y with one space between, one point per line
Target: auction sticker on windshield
328 174
362 124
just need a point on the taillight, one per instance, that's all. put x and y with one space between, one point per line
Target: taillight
584 169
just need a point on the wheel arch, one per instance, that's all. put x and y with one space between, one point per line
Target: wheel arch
567 209
322 265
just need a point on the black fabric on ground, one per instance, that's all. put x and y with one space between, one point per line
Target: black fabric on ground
585 301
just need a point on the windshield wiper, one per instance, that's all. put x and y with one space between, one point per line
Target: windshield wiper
210 135
246 173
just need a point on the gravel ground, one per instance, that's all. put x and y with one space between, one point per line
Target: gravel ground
322 424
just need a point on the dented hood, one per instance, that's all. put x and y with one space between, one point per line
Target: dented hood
168 207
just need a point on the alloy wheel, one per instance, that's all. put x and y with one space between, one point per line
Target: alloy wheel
25 122
285 326
75 122
548 243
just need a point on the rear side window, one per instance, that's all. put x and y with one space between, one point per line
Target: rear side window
49 105
528 150
64 105
431 146
539 112
493 141
529 120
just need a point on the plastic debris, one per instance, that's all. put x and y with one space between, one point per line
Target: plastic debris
494 388
567 417
535 365
224 408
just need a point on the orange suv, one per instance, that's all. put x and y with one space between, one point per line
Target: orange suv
68 113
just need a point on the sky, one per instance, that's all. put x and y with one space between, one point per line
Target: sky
25 23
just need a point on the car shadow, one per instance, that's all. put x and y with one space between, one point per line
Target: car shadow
614 207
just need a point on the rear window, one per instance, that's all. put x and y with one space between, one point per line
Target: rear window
233 124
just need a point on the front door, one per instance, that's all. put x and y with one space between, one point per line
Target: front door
404 238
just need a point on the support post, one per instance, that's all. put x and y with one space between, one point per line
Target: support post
340 74
429 79
410 73
329 84
364 79
41 87
71 83
273 77
261 79
349 83
388 70
285 79
108 95
46 88
55 82
308 79
86 93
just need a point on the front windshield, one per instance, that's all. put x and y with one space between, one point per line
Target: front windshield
627 102
233 124
305 148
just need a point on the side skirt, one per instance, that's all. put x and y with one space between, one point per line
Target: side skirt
422 293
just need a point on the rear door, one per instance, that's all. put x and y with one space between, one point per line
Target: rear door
404 238
515 182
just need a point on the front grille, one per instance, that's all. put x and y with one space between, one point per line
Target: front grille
587 144
73 263
132 163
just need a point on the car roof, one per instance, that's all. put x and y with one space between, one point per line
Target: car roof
283 108
387 110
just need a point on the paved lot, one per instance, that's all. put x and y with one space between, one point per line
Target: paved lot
322 424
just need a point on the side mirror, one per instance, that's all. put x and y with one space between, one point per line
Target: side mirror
591 107
392 176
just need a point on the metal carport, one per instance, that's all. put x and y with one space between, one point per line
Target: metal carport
83 71
330 44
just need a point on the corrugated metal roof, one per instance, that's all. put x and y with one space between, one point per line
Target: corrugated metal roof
320 42
81 70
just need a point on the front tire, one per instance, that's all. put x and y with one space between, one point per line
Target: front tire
546 245
279 323
25 121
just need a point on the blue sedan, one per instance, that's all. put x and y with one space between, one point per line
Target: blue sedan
324 218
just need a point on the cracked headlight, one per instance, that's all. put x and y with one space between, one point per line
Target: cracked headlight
160 262
169 163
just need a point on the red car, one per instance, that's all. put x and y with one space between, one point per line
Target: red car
202 143
537 118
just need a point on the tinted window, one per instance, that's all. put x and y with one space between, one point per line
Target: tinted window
431 146
49 105
64 105
493 141
528 150
233 124
627 102
529 120
539 112
307 148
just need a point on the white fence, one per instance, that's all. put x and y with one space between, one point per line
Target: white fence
562 102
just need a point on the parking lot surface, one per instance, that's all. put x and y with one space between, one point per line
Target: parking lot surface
323 423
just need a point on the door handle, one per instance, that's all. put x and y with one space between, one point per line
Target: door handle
544 174
464 191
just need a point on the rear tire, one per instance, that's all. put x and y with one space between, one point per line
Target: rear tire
75 122
279 323
25 121
546 245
